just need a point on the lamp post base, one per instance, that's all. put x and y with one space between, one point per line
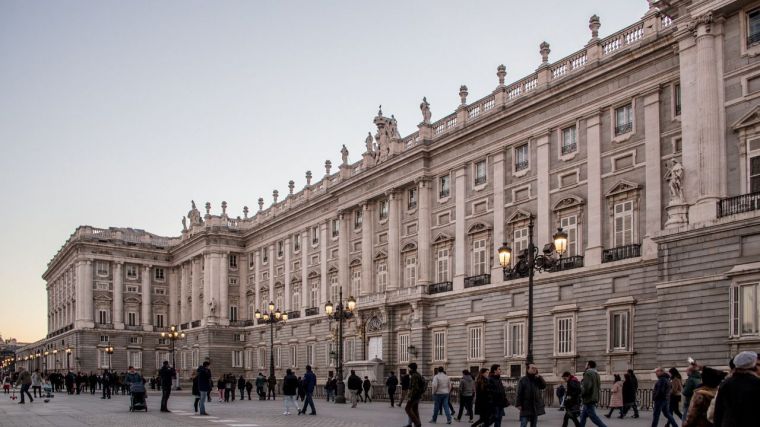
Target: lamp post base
340 392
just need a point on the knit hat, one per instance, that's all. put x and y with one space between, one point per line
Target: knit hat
745 360
712 377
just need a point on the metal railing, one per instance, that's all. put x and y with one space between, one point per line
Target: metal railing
624 128
311 311
753 38
569 148
479 280
738 204
184 326
569 263
437 288
195 324
621 252
295 314
521 165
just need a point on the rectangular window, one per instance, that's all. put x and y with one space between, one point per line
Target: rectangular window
521 158
104 338
383 211
516 339
277 355
295 296
623 223
744 310
444 184
131 271
411 198
314 235
248 358
623 119
237 358
479 257
280 249
102 286
754 174
102 317
314 293
439 346
564 337
233 313
297 242
104 359
135 359
480 172
159 321
262 358
382 276
101 267
358 218
158 273
310 349
521 242
233 261
753 27
196 357
279 297
162 341
132 318
334 289
410 270
161 356
475 342
348 350
356 282
677 100
159 291
619 330
335 227
569 144
133 289
403 348
293 356
135 340
443 265
569 225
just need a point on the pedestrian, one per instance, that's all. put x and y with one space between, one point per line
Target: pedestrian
241 387
93 379
166 374
301 390
696 415
330 387
529 398
661 398
70 377
693 380
271 386
561 390
25 380
36 383
390 384
616 397
466 391
248 388
405 384
194 391
498 395
354 387
107 380
416 389
441 387
590 388
229 388
676 388
310 383
133 377
629 395
482 399
572 402
367 386
737 398
289 390
220 386
261 382
204 385
7 384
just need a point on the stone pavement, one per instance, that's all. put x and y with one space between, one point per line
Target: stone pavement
87 410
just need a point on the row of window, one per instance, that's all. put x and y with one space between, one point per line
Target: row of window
102 269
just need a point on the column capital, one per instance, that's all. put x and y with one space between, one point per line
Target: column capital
423 180
366 205
392 193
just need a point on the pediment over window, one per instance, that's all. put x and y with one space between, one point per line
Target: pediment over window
295 278
161 302
249 293
519 215
101 297
355 262
332 270
622 187
479 227
313 274
410 246
568 202
133 300
442 238
380 255
264 289
751 119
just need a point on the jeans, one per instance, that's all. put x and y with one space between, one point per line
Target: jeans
202 402
570 416
290 401
532 419
465 403
25 389
354 397
589 411
366 396
496 416
309 401
165 397
664 407
270 393
36 389
391 394
441 401
412 409
330 395
106 391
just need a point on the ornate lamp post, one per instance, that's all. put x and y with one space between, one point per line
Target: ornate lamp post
272 316
173 336
340 313
527 263
109 351
68 358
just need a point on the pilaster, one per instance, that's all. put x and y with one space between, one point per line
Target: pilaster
257 280
394 249
498 215
323 262
224 288
243 264
173 296
593 254
196 312
118 296
146 319
344 239
286 281
88 301
367 261
271 273
305 291
424 258
460 178
653 173
543 213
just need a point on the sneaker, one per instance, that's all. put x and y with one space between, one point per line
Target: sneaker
286 413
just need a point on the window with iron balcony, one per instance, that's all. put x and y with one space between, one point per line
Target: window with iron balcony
569 144
521 158
444 187
753 27
480 173
623 119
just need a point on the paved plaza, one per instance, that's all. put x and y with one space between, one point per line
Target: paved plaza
87 410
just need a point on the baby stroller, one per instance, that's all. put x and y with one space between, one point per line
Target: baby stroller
48 389
137 398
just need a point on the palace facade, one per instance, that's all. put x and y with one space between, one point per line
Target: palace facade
644 146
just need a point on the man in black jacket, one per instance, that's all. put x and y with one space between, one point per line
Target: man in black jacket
391 383
529 400
107 379
738 396
354 387
572 402
661 398
166 375
367 386
404 387
204 385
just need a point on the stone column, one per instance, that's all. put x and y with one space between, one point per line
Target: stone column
394 248
498 215
305 271
79 293
207 292
593 253
288 303
271 274
543 214
367 261
654 173
196 312
257 280
118 295
344 239
460 178
243 288
88 282
146 319
424 240
173 297
323 262
224 288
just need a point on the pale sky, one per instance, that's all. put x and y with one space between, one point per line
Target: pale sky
117 113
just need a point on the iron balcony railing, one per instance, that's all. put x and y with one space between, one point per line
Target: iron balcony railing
437 288
568 263
569 148
195 324
521 165
621 252
311 311
623 128
738 204
479 280
753 38
444 193
184 326
295 314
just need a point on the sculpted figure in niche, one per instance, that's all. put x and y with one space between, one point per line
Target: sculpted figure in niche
674 176
425 108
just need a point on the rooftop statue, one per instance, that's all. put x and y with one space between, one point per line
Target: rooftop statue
425 108
194 215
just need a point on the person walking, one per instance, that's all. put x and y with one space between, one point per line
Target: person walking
498 395
590 388
405 383
310 383
271 386
483 406
572 402
416 389
261 382
390 384
330 386
301 390
440 389
354 387
166 374
661 398
529 400
241 387
229 388
676 388
738 396
696 415
289 391
466 391
93 379
204 385
107 380
36 383
194 391
367 386
248 388
693 380
25 380
629 395
616 397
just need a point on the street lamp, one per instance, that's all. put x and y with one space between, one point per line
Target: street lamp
340 313
109 351
173 335
272 316
68 357
529 261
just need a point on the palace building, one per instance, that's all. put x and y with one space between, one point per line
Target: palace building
643 146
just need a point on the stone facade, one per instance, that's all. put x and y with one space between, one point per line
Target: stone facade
658 269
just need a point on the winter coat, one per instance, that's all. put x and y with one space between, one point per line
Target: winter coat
36 380
441 384
590 387
272 382
529 398
194 391
690 385
290 385
417 386
309 381
204 379
248 386
482 397
354 382
167 374
260 381
497 393
662 389
391 383
737 400
629 392
366 385
616 399
241 383
24 378
466 386
572 400
405 381
696 416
